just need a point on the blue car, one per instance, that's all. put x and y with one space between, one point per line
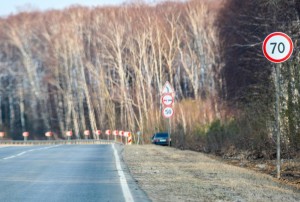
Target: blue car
160 139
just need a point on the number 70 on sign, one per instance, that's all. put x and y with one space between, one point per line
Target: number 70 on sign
277 47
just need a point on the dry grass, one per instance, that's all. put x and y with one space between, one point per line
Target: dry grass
168 174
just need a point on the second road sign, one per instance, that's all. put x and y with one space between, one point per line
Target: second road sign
167 99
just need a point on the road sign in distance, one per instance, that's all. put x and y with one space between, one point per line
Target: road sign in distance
107 132
69 133
2 134
25 134
167 88
167 99
121 133
277 47
126 134
168 112
86 132
48 134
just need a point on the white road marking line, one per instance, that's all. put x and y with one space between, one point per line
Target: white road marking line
10 157
32 150
20 154
125 189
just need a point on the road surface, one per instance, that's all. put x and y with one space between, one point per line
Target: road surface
65 173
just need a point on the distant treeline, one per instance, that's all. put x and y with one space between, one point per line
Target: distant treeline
104 68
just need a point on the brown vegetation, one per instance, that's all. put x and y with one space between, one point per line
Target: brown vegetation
104 68
168 174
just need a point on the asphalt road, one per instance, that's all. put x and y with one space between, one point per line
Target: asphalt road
66 173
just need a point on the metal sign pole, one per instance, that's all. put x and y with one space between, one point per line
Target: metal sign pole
167 99
169 132
277 116
277 48
138 138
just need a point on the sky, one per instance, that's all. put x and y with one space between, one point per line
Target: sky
8 7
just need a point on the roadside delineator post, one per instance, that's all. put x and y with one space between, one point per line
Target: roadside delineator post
48 135
98 133
86 134
107 132
2 134
25 135
129 138
115 133
69 134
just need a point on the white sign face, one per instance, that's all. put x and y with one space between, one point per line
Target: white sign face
167 88
48 134
277 47
167 99
126 134
69 133
168 112
121 133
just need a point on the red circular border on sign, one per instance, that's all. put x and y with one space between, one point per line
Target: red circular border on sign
162 99
265 49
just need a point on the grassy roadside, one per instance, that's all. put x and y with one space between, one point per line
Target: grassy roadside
168 174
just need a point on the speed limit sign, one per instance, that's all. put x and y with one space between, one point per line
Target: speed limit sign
277 47
168 112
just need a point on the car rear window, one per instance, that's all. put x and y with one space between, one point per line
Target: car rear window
159 135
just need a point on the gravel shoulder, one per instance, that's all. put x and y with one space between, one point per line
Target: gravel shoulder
169 174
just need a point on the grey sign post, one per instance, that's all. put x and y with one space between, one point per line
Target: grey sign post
138 137
167 100
277 48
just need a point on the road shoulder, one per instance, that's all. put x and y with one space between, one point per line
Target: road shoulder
137 193
168 174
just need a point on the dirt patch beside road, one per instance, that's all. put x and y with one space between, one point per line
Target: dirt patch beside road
168 174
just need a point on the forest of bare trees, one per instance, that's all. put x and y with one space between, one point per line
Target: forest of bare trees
249 77
104 68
